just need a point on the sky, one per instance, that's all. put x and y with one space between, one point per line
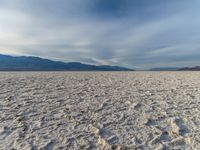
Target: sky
137 34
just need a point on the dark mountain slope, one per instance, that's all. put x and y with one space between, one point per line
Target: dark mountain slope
24 63
197 68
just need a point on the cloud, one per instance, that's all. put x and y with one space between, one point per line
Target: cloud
136 34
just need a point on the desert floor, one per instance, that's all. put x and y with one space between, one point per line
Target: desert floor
99 110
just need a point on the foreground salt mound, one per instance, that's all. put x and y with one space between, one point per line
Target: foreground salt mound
99 110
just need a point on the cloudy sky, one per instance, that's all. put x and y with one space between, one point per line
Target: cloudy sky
132 33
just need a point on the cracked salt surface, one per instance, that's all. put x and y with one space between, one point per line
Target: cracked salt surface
99 110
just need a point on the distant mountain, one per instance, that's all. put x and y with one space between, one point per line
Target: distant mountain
165 69
197 68
24 63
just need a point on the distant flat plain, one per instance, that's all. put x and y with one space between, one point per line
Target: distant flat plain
99 110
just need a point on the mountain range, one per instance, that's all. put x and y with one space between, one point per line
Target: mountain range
197 68
164 69
30 63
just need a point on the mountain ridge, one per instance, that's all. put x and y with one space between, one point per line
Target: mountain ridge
32 63
164 69
196 68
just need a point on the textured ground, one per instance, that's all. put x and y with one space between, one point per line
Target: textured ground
99 110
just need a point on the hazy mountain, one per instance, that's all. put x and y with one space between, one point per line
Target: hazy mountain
164 69
197 68
24 63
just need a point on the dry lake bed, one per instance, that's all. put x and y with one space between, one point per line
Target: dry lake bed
99 110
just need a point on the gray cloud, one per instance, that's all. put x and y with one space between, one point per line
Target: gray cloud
136 34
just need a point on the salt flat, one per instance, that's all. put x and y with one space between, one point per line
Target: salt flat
99 110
